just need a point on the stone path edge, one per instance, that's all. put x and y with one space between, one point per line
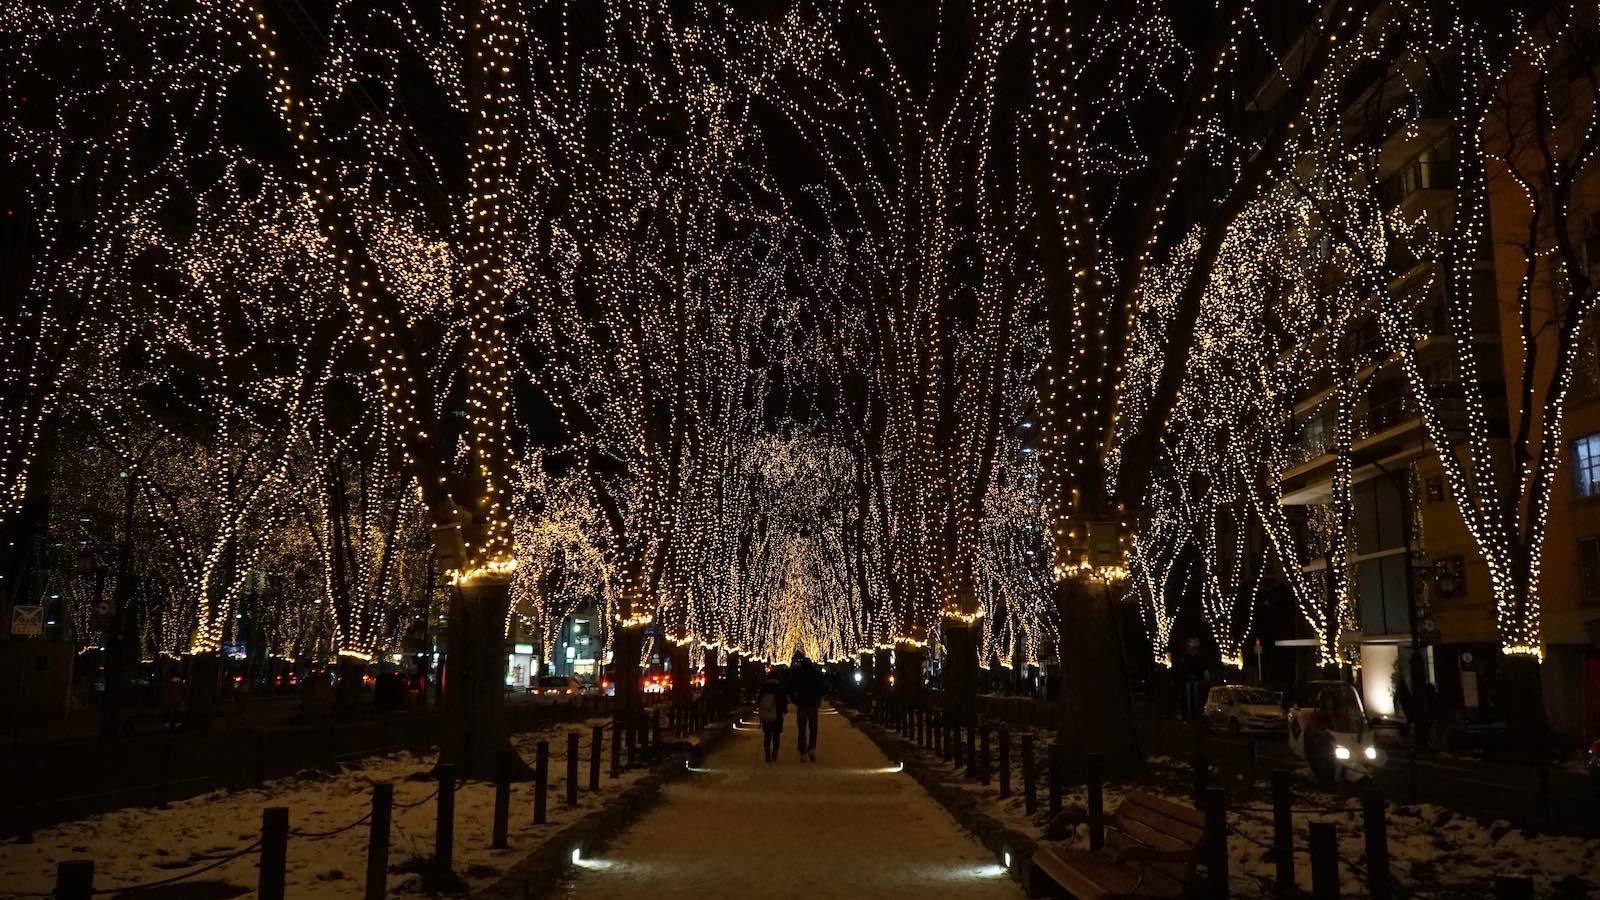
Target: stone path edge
959 803
541 871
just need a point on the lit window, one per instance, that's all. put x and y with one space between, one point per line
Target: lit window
1586 457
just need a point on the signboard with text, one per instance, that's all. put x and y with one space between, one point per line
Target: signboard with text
27 621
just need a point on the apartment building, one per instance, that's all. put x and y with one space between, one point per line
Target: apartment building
1367 486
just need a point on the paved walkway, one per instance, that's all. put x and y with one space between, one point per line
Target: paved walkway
847 826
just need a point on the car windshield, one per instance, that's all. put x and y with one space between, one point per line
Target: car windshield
558 681
1254 697
1343 707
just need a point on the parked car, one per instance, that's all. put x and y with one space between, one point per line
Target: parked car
1328 729
657 683
1237 709
554 687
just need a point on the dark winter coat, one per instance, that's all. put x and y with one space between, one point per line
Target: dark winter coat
775 687
807 686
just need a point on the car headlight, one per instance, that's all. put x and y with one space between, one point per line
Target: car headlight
1341 752
1370 752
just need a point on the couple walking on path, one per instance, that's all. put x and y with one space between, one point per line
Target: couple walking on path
806 686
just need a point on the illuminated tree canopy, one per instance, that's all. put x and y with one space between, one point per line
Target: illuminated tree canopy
763 328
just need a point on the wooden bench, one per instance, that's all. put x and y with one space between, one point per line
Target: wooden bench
1151 848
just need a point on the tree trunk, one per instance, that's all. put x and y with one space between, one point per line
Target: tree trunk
881 670
627 643
908 673
1161 691
713 674
204 669
682 685
352 680
1522 701
1095 713
735 686
960 671
475 679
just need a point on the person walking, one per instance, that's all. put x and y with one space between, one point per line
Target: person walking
772 704
806 688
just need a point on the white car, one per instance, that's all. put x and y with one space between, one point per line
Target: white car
1328 729
556 689
1237 709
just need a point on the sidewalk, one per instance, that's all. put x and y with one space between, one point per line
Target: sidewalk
847 826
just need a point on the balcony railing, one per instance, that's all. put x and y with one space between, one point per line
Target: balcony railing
1388 414
1426 105
1417 175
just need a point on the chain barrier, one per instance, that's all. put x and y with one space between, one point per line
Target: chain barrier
1357 871
177 878
128 888
322 835
418 802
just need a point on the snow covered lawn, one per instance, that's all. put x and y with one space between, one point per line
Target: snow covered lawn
141 845
1431 848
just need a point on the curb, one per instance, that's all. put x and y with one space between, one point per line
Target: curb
960 804
541 871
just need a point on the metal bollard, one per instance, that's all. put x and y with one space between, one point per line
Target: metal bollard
378 842
1030 784
1097 801
1324 861
972 750
541 780
75 879
164 775
1005 763
1202 776
1376 827
572 769
501 827
1216 808
1547 817
616 749
444 820
1053 763
27 788
594 757
1283 833
983 755
1513 887
274 853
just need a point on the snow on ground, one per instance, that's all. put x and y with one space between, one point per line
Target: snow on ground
1431 848
849 825
138 845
